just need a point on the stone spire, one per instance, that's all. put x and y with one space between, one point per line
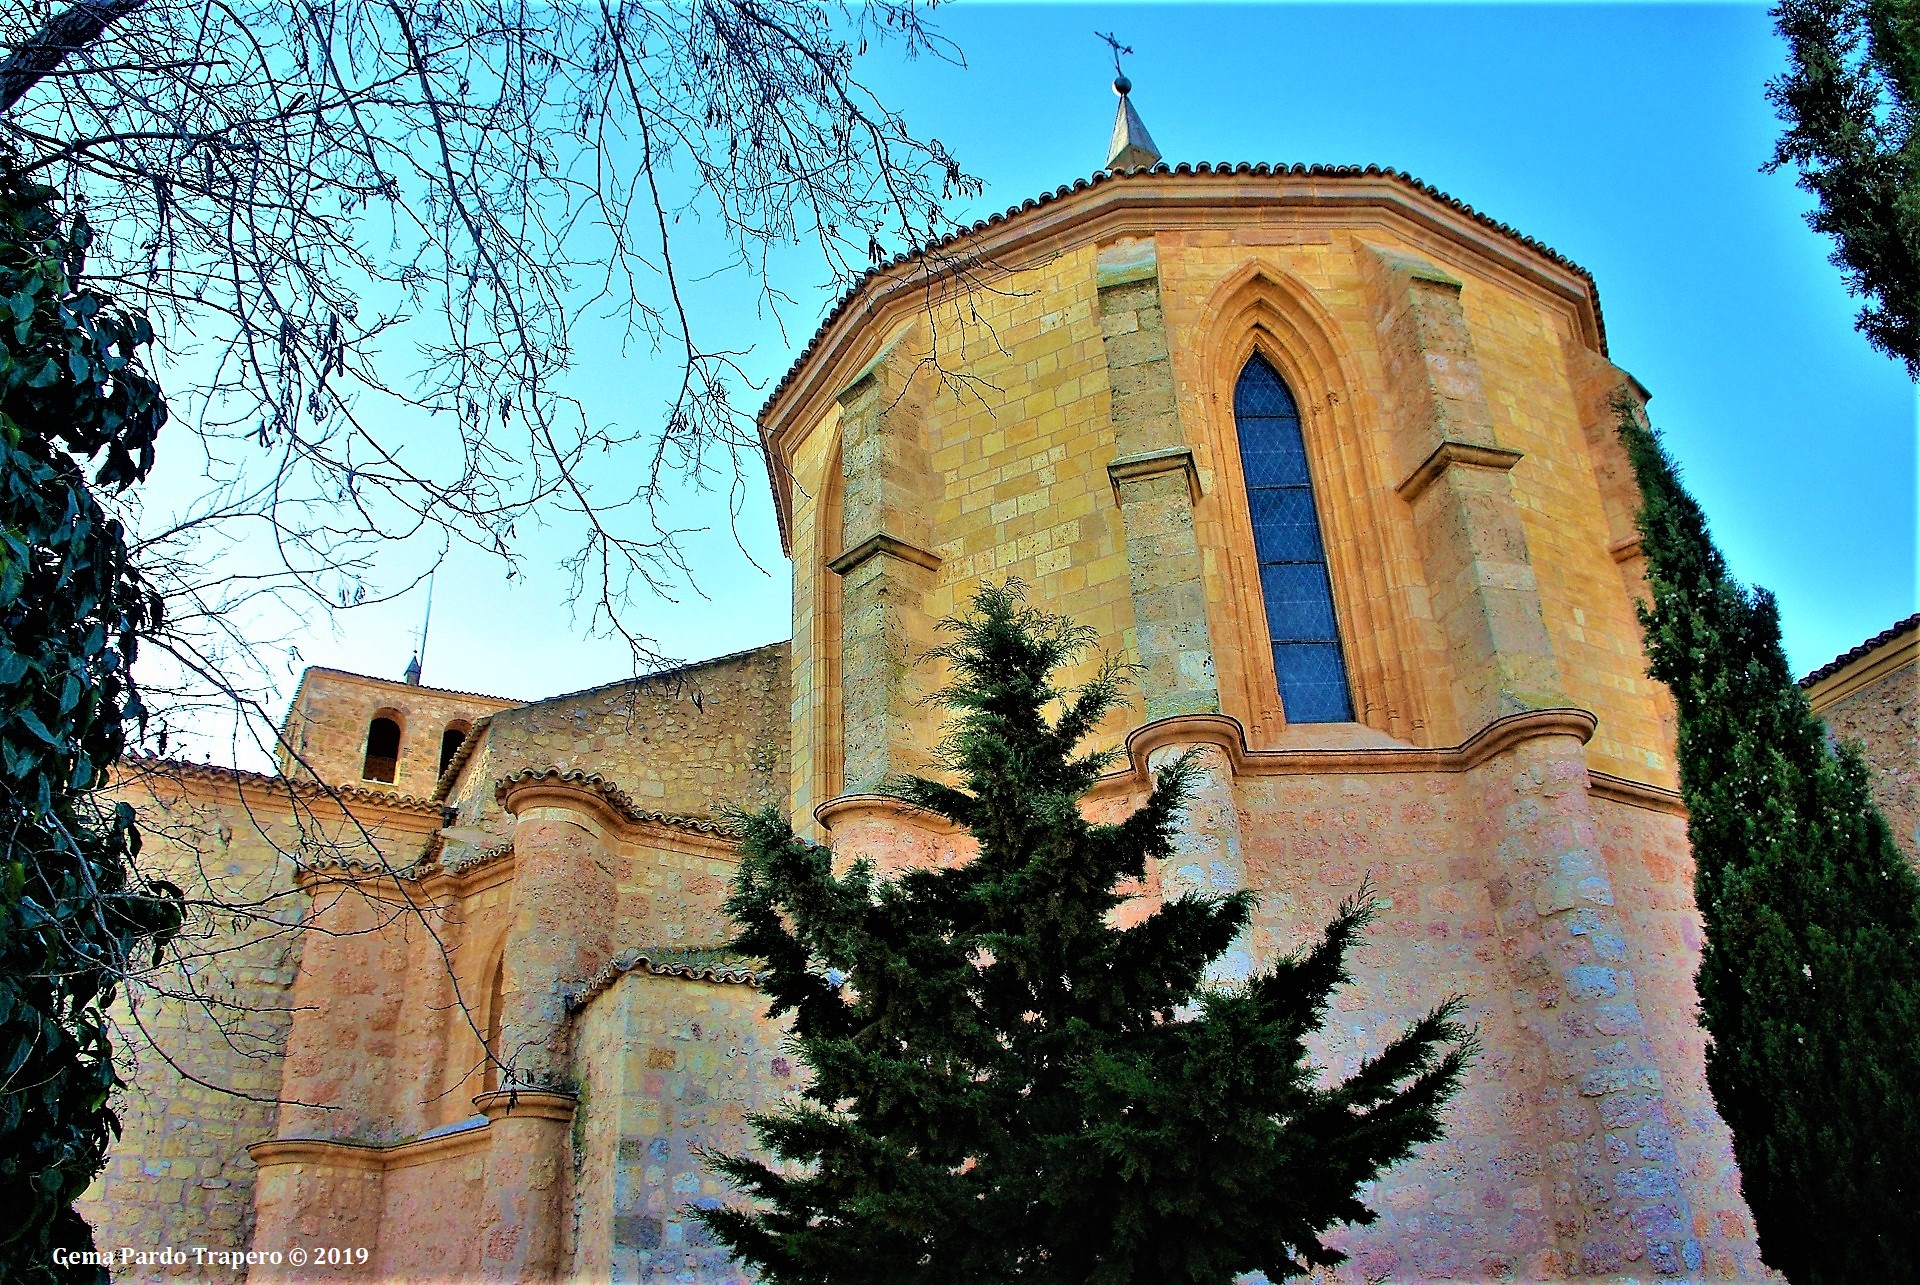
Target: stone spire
1132 146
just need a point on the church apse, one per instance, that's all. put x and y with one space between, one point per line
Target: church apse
1498 764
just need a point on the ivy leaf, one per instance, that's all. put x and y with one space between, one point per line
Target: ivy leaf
31 721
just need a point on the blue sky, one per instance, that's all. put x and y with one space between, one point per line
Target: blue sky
1628 137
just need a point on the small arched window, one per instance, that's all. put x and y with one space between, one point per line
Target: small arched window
383 750
496 997
450 742
1293 560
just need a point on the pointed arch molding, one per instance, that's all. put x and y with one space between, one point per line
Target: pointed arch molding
1261 308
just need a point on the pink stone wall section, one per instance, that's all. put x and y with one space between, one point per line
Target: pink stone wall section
434 1210
1651 866
1584 1142
668 1065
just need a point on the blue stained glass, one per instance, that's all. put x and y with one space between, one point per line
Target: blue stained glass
1260 392
1286 513
1313 682
1293 562
1271 452
1299 602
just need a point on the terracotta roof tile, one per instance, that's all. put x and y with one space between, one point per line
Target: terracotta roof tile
186 770
1879 640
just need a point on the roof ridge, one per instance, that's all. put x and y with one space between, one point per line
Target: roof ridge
671 671
395 682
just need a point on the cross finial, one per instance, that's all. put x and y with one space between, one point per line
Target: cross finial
1132 146
1121 84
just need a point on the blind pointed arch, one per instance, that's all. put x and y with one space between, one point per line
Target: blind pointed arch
1293 559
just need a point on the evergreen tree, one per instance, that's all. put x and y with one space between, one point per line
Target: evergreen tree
1851 101
1810 977
1007 1087
72 915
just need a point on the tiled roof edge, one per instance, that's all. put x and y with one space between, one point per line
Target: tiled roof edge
186 769
671 671
695 965
509 701
618 799
1879 640
458 763
1163 169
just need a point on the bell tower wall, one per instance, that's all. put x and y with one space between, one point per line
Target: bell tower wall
329 731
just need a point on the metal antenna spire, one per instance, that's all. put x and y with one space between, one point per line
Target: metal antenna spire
420 650
1132 146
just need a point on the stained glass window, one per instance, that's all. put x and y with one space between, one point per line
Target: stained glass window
1293 562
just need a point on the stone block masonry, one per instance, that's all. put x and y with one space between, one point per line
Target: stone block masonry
1053 402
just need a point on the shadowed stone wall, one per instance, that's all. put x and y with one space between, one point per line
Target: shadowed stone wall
1871 696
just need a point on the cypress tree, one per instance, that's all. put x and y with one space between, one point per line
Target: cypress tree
1005 1086
1851 103
1810 977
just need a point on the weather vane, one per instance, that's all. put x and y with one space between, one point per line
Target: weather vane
1120 82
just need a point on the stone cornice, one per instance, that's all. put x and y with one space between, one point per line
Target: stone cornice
1141 464
699 966
1228 735
353 869
883 545
1637 794
444 1144
835 810
526 1104
1219 729
1448 454
1141 203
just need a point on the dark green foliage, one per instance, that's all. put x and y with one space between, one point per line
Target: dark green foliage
1006 1087
1810 978
1851 101
71 606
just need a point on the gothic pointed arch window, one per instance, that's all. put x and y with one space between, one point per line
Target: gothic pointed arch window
1293 562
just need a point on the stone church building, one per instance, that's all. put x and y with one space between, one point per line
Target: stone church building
1328 453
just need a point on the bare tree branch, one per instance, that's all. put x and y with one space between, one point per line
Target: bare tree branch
76 27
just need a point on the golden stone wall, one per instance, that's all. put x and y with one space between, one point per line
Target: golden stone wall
1020 451
690 742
